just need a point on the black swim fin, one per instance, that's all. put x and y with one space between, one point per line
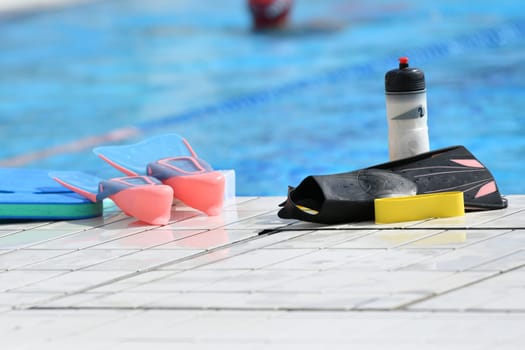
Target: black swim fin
349 197
346 197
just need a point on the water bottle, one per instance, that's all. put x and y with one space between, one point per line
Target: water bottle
406 111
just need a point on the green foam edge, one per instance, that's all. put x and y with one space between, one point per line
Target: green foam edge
50 211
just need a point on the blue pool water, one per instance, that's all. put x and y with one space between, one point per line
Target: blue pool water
275 108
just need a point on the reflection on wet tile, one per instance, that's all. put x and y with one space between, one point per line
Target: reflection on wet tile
88 238
204 222
454 238
148 239
143 260
209 239
453 222
32 237
387 238
322 238
247 246
258 259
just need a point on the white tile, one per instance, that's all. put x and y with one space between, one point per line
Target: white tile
33 237
454 238
503 263
494 291
389 259
78 259
4 231
512 300
260 203
471 219
260 221
387 239
185 281
457 289
247 246
143 260
132 280
150 238
70 282
125 300
45 326
67 300
454 261
512 220
380 281
250 280
322 259
18 300
474 255
24 257
257 259
140 327
209 239
322 238
204 222
392 301
10 280
262 300
14 226
88 238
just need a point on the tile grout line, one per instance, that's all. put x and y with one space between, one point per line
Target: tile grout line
436 295
139 272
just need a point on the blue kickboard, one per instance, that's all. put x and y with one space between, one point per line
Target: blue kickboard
32 194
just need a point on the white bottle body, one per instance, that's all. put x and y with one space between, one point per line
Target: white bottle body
406 113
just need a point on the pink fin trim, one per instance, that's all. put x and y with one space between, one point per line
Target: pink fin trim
486 189
118 167
91 196
473 163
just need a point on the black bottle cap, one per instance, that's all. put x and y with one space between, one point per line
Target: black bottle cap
404 78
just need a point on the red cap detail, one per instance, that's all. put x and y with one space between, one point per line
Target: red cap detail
268 13
403 60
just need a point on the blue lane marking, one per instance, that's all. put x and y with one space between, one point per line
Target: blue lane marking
498 36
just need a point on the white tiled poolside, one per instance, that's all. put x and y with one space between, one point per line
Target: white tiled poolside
249 280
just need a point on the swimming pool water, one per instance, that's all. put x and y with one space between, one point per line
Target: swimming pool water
274 108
